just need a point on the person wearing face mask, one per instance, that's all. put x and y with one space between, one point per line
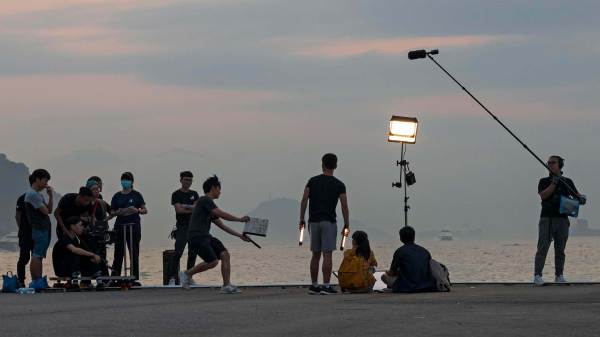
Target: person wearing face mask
127 205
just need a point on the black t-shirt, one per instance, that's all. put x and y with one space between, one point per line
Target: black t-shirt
25 226
411 264
184 198
324 193
551 206
68 208
121 200
201 218
60 247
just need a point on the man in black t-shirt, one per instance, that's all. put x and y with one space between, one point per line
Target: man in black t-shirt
70 205
25 239
209 248
321 194
70 255
553 225
183 200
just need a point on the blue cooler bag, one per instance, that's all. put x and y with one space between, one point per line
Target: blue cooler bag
569 206
10 283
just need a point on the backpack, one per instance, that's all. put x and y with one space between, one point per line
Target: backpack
440 275
353 274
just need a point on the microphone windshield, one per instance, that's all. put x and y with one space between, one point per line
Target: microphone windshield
417 54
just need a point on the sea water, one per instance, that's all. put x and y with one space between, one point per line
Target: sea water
467 260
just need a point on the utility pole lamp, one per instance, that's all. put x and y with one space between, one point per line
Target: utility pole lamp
403 130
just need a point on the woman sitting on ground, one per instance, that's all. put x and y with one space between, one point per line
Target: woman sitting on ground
357 268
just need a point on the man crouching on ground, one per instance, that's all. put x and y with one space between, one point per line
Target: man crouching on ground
209 248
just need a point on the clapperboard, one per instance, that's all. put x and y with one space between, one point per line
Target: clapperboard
256 227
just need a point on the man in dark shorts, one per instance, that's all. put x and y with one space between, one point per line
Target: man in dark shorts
323 192
70 205
553 225
209 248
183 200
25 240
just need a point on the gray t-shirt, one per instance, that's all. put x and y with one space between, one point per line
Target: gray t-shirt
201 219
33 202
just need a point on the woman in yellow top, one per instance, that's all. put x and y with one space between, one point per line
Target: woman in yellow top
358 266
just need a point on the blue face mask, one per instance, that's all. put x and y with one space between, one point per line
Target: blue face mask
126 184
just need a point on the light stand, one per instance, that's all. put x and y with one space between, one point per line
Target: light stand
409 179
403 130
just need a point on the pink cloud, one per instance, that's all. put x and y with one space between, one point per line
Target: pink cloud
89 40
11 7
339 48
84 96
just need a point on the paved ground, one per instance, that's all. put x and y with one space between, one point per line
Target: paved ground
481 310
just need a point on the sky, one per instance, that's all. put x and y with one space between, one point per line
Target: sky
256 91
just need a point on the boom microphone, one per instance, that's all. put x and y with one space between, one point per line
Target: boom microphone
417 54
421 53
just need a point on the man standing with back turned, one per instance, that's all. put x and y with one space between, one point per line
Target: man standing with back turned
323 192
553 225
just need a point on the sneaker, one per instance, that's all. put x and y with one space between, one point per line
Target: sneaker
230 289
172 282
560 279
314 290
538 280
328 291
184 279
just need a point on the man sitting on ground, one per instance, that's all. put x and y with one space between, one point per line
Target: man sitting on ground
70 255
410 270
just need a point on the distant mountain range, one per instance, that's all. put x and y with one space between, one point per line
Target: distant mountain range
283 215
13 179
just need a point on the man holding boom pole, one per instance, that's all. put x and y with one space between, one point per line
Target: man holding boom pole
209 248
323 192
553 225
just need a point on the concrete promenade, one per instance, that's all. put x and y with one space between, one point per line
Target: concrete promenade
470 310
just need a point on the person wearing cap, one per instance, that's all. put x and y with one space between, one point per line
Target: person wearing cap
97 222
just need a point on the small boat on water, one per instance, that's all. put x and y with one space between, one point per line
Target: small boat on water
445 235
10 241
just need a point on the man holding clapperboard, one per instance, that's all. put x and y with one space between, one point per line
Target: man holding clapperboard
209 248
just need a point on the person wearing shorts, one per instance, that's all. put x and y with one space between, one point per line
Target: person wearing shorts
321 194
38 214
201 243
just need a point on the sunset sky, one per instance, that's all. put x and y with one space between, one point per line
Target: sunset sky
256 91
